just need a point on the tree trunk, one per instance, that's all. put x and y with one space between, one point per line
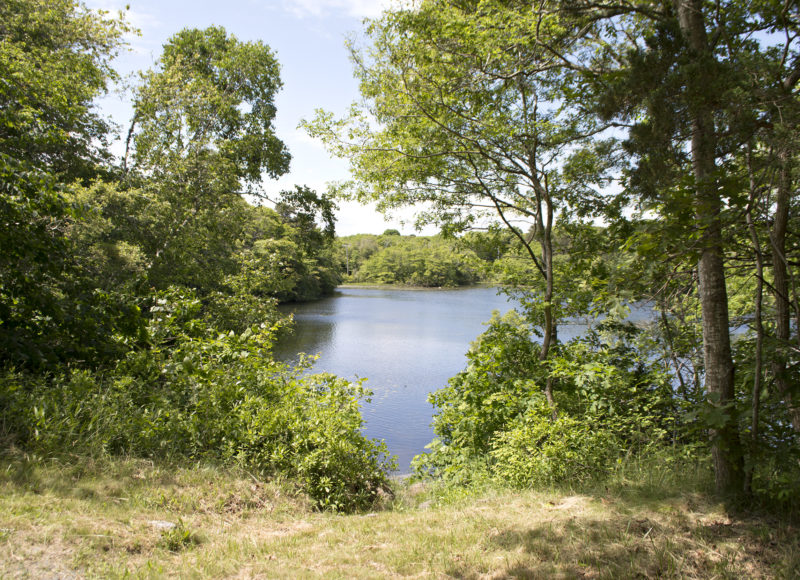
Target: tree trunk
780 286
718 362
758 364
549 322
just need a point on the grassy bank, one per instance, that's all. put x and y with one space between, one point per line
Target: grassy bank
138 519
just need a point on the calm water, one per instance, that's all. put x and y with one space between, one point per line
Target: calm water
407 343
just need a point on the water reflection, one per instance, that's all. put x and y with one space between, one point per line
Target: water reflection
406 342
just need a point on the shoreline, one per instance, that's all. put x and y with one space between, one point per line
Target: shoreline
375 286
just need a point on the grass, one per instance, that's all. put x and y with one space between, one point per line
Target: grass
138 519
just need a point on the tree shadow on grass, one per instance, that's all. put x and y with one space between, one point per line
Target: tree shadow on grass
628 541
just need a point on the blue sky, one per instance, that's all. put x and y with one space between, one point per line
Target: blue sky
308 38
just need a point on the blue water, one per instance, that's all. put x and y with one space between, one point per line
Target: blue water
407 343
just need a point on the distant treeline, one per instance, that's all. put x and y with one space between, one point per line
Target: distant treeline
431 261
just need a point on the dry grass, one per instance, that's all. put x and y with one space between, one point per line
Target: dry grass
102 520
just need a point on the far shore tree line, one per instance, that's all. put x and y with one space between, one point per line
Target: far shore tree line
429 261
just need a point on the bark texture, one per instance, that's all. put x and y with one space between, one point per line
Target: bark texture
718 361
780 284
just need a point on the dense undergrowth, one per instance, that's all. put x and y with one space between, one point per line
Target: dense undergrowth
615 404
198 393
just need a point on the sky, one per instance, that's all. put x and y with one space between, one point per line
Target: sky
308 38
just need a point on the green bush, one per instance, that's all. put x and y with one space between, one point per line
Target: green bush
200 394
536 450
610 400
501 379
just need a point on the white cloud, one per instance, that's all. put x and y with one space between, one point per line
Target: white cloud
137 18
353 8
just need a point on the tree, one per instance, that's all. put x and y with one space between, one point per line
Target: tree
202 136
474 122
211 99
692 93
55 60
299 207
688 110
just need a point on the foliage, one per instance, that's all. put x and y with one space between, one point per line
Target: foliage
414 261
300 208
178 538
273 261
206 113
352 251
54 58
612 400
774 452
202 135
314 271
507 116
469 117
490 245
534 450
497 385
198 393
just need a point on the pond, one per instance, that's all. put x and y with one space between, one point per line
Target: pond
407 343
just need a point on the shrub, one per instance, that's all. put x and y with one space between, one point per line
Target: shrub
499 382
536 450
610 399
201 394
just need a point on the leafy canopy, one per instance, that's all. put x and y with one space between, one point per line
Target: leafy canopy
210 103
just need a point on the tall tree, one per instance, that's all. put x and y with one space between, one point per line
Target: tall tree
781 114
687 90
202 136
474 125
718 367
54 61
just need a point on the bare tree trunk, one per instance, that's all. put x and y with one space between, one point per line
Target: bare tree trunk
758 365
781 285
549 321
719 371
